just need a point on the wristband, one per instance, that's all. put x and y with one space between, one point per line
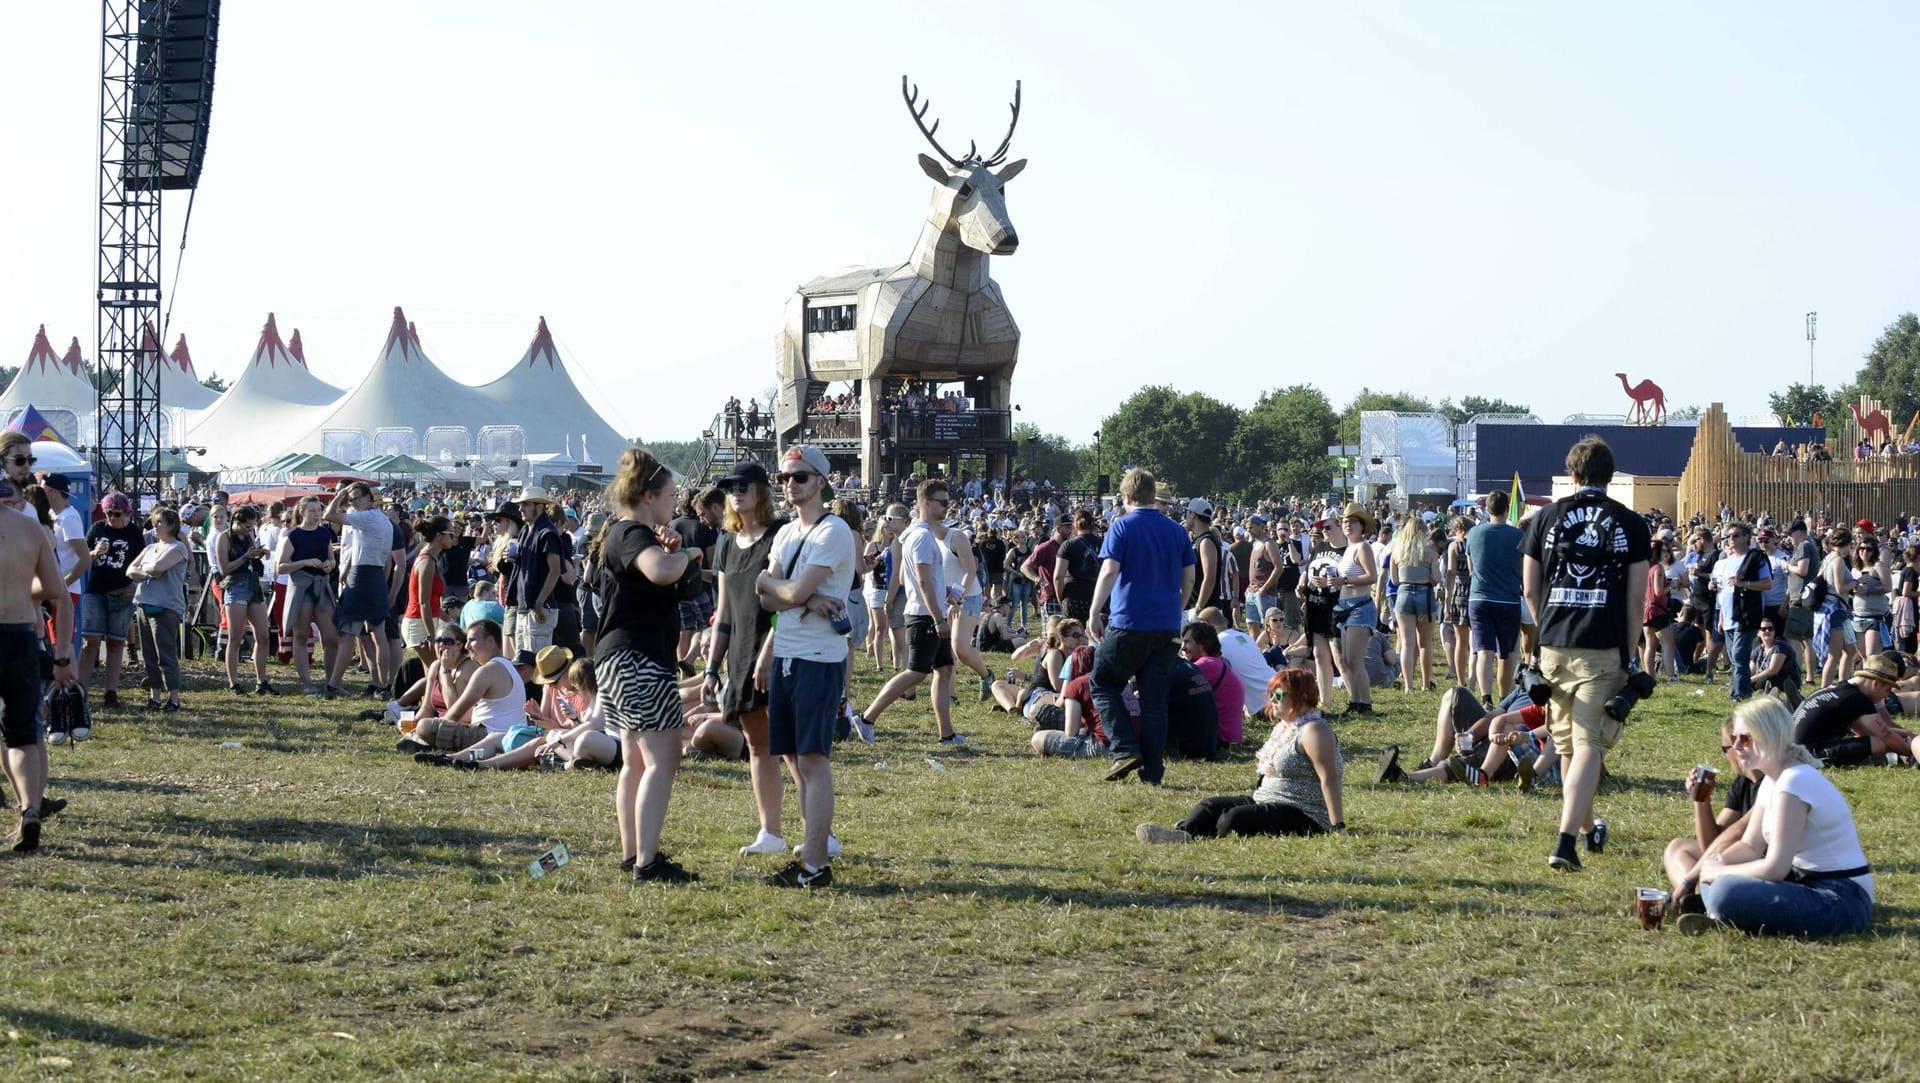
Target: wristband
58 662
724 627
713 671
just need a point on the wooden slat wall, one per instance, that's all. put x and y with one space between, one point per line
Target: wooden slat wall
1844 490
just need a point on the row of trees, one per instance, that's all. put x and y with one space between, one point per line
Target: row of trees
1201 444
1891 374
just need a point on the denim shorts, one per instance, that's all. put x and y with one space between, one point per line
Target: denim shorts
241 590
106 616
1355 613
1416 600
973 605
363 599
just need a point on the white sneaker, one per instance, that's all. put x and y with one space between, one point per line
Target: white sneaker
833 847
766 842
81 733
864 728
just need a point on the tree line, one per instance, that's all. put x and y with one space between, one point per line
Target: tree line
1891 374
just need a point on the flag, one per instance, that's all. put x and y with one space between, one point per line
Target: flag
36 426
1517 500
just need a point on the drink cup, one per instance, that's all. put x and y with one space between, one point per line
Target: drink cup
1650 904
1702 789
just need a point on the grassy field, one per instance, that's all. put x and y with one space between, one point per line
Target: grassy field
312 906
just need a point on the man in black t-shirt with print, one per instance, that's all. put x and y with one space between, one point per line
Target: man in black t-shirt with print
1585 570
1843 723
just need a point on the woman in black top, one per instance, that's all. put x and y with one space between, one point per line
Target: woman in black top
306 556
640 564
740 630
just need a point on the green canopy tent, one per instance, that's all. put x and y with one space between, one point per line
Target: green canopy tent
396 466
168 462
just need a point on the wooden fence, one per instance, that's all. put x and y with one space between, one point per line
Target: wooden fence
1786 485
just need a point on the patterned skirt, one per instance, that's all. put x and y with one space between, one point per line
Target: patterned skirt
638 694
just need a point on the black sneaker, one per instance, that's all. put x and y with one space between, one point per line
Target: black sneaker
27 839
796 875
1389 769
264 689
111 699
1358 708
236 690
155 705
408 745
332 691
1564 861
626 864
664 871
1123 767
1597 838
172 707
433 759
466 765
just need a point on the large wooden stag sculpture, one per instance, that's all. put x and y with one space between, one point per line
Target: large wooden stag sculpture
936 317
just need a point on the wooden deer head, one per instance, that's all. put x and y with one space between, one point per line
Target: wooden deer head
970 201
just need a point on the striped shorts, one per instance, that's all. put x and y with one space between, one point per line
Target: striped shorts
638 694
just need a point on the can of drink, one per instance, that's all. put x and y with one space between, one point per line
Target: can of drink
1702 788
1650 905
1465 741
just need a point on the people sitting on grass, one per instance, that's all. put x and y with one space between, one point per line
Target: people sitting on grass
578 738
1776 664
495 698
1797 869
1712 832
1845 724
1049 655
1242 655
1480 747
1081 734
1300 776
997 630
446 678
1200 646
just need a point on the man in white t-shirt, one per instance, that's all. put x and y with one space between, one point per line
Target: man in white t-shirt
69 534
809 574
366 552
931 606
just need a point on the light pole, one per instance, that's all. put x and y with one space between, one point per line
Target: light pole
1813 321
1098 462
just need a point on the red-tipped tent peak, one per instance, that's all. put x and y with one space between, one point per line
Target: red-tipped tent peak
42 356
270 349
414 334
149 343
294 345
400 336
182 359
542 348
72 358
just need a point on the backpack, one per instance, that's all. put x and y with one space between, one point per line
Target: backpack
1084 565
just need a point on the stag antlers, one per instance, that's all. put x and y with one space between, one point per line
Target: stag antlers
999 154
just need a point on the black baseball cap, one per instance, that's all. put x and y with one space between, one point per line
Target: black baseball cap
508 510
59 483
751 472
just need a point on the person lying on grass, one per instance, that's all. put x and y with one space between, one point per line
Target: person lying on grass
1712 833
578 739
1508 742
1300 776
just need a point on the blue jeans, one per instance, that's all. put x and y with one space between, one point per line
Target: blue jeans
1783 908
1123 655
1740 655
1020 593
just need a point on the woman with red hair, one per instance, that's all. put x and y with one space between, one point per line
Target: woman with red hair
1300 772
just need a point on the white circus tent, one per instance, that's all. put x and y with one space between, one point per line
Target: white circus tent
539 394
56 386
180 388
274 394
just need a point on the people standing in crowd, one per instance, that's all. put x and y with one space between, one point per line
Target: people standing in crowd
366 547
1833 634
69 534
1459 591
541 567
1798 868
1872 593
1656 630
1148 569
1076 567
1415 605
1803 563
931 604
1266 569
107 603
1356 616
1586 576
1040 564
806 583
306 556
961 566
425 587
1213 586
1493 599
1741 580
1020 588
698 525
740 629
29 575
641 564
882 554
159 575
244 592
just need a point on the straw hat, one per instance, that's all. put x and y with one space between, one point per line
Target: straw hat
1883 667
550 663
1357 510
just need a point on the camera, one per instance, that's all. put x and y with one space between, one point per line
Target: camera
1639 686
1530 680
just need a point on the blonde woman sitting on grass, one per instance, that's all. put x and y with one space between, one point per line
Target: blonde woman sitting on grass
578 739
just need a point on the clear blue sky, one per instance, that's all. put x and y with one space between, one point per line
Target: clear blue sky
1513 200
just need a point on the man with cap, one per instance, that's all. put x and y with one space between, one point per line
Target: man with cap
69 533
1847 724
1213 587
1803 561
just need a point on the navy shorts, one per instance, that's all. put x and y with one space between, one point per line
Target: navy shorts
20 684
363 605
1496 626
803 702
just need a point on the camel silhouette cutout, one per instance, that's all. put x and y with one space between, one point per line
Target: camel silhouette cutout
1871 424
1649 402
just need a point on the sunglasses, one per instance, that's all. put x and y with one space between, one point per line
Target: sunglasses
22 460
450 642
1743 740
1766 627
799 478
116 514
1726 748
1277 695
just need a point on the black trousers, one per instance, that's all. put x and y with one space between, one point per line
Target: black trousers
1218 817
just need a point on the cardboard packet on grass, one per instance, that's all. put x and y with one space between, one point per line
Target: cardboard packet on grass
550 861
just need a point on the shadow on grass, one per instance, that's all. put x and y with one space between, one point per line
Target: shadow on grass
54 1024
1252 902
231 847
118 785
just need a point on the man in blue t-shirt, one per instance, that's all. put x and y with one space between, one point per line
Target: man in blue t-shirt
1146 569
1493 598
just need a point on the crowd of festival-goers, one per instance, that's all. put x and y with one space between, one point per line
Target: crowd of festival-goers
629 628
